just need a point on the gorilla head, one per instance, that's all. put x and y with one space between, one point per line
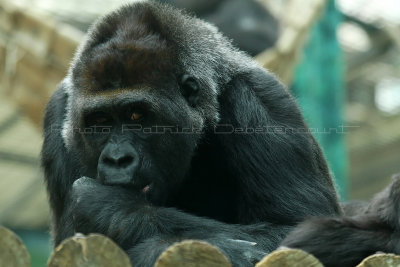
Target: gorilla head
140 94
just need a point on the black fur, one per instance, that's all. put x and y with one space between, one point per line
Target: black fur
344 241
248 170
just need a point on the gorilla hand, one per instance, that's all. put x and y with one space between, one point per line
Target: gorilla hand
96 207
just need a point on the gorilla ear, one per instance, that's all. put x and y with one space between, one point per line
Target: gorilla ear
190 89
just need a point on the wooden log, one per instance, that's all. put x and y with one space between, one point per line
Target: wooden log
13 252
289 258
192 253
94 250
381 260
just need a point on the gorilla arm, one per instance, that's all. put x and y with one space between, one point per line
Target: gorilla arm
140 228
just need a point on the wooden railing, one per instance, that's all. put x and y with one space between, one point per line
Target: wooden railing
96 250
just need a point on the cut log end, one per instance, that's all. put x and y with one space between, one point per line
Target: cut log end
88 251
192 253
381 260
13 252
289 258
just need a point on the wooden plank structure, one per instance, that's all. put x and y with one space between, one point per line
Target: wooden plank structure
36 51
96 250
282 58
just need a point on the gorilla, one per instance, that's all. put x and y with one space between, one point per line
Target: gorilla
163 131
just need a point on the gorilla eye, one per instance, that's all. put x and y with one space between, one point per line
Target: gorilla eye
98 118
136 116
190 89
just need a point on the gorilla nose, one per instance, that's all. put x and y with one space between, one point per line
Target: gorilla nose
117 164
118 161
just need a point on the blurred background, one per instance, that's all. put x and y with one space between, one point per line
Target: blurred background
341 60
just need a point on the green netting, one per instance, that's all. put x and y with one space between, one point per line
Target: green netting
319 88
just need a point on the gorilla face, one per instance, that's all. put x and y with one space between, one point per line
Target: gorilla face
128 137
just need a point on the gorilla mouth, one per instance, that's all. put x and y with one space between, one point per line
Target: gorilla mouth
143 188
146 189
